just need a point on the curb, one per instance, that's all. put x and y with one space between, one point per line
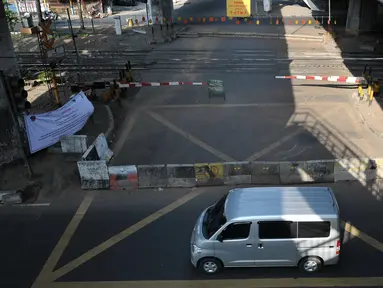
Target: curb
250 35
128 177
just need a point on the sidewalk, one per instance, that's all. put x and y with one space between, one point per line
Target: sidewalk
55 174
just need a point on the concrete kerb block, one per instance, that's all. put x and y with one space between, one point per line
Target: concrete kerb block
11 197
265 173
320 171
90 154
103 151
209 174
94 175
123 177
74 144
237 173
152 176
361 170
307 171
181 175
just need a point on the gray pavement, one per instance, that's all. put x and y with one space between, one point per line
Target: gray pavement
262 118
144 236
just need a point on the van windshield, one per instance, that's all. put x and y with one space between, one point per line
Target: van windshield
215 218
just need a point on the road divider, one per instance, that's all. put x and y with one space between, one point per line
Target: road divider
123 177
181 176
95 173
93 165
265 173
152 176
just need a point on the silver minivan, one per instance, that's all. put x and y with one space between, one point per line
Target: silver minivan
268 227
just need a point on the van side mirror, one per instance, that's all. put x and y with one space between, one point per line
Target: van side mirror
220 238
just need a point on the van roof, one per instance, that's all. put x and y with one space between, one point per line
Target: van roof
276 202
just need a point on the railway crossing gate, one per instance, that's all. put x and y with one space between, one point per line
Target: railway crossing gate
368 87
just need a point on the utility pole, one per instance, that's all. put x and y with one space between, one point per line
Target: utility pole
39 13
74 42
80 14
329 11
12 111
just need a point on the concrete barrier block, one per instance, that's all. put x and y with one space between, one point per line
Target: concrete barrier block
93 174
12 198
361 170
237 173
103 151
265 173
181 176
292 172
308 171
152 176
319 171
74 143
90 154
123 177
209 174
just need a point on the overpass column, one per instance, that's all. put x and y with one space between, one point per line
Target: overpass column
361 16
161 9
9 149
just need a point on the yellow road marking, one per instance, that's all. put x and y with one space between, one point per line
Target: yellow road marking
191 138
284 139
129 124
64 240
273 146
122 235
362 236
232 283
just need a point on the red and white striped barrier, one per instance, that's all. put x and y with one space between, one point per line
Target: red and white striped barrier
156 84
342 79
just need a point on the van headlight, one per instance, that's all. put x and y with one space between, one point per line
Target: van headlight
196 249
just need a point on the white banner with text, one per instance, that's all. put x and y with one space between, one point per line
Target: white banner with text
45 129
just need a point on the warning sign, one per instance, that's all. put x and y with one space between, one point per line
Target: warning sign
238 8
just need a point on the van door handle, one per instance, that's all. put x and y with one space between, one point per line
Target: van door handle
260 246
249 245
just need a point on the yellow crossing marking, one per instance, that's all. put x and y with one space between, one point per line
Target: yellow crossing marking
273 146
190 137
362 236
122 235
64 240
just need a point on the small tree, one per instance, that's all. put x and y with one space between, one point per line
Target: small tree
11 16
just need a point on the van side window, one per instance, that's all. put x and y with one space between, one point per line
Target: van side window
313 229
236 231
277 229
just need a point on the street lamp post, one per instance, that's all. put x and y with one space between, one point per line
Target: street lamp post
329 11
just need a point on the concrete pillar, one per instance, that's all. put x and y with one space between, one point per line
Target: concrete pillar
161 9
361 16
9 150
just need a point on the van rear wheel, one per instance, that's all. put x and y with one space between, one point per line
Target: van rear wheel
210 265
310 264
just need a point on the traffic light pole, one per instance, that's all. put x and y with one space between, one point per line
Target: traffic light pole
39 13
12 109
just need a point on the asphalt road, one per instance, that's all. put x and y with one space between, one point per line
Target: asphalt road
123 237
261 118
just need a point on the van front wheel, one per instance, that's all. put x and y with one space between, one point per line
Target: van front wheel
310 264
210 265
